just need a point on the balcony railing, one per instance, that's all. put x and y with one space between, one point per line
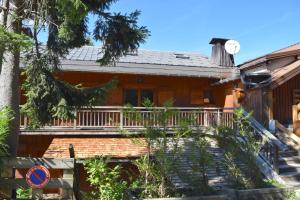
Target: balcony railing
118 117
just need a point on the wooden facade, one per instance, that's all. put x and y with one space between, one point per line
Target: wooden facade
189 92
259 102
184 91
273 103
283 100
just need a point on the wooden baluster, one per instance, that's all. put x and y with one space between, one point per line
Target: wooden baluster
121 119
25 121
205 116
75 120
98 118
276 158
266 151
94 113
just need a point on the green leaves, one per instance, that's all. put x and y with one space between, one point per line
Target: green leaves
6 116
48 97
241 148
73 12
67 21
13 41
119 34
105 179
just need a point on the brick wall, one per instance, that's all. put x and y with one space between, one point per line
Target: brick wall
87 146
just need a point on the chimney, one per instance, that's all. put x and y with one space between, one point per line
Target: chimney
219 55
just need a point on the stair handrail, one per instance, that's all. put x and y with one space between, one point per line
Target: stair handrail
271 144
267 135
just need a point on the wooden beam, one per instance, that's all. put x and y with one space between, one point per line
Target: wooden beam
53 183
26 163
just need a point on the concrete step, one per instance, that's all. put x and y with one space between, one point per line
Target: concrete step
293 177
288 140
289 168
288 153
293 160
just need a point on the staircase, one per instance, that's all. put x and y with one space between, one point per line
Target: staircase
289 159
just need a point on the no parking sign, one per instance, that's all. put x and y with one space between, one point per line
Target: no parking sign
38 177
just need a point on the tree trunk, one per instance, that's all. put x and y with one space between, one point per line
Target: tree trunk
9 83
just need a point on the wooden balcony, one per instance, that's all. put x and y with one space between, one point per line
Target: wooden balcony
116 118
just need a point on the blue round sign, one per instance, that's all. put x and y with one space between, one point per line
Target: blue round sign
37 177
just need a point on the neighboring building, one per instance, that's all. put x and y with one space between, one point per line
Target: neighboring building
279 89
191 80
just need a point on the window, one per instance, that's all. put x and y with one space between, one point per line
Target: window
131 97
208 97
136 97
146 94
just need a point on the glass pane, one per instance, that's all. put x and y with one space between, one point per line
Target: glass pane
208 97
146 94
131 97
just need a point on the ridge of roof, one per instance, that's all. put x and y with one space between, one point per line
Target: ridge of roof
267 56
284 48
156 50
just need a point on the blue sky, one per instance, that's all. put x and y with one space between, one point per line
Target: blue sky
261 26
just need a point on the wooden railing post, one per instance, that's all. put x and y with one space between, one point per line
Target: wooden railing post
205 118
121 119
218 118
25 121
75 120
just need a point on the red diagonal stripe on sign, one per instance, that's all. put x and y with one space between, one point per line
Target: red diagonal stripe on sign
37 176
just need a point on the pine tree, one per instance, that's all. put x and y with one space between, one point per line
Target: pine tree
65 22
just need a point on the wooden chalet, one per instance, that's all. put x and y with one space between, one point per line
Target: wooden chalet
279 89
194 82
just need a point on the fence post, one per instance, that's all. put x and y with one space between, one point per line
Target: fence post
67 193
76 182
37 194
8 173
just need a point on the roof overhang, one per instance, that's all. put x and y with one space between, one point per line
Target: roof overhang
285 73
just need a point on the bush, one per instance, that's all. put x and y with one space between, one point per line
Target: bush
105 180
241 148
23 193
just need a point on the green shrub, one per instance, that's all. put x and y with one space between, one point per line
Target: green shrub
5 118
106 180
23 193
241 148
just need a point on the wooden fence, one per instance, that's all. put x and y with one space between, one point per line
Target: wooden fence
8 182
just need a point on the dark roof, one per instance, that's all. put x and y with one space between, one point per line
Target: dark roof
146 62
218 40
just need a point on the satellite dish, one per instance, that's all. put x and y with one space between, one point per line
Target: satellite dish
232 47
